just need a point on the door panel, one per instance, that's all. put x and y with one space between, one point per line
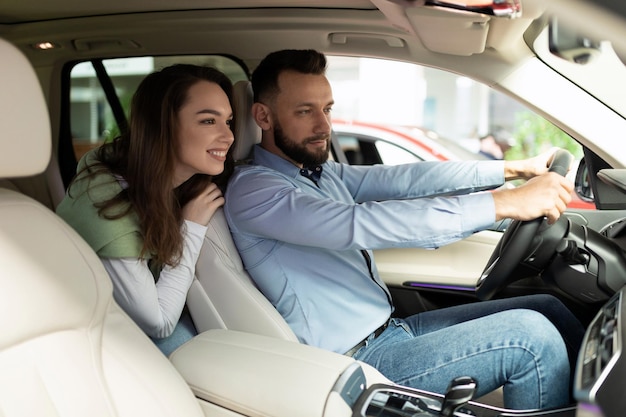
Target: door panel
456 265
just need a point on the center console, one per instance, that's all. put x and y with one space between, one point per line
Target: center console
242 374
252 375
396 401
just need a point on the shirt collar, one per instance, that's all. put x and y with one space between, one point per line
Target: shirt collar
271 160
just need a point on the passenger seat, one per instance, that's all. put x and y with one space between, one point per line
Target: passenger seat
66 348
223 296
47 187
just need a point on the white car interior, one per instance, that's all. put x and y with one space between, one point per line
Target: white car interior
223 295
66 347
65 339
221 277
67 344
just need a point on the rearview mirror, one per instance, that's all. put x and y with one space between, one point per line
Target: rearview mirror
499 8
566 43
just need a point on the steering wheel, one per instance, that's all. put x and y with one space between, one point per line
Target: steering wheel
515 243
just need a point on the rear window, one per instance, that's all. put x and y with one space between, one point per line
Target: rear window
92 120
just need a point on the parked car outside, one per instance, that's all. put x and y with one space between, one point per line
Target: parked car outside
374 143
366 143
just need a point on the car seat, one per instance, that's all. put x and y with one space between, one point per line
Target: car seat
66 348
247 132
222 295
46 187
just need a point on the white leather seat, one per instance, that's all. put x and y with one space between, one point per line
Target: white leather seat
66 348
47 187
17 130
223 296
247 132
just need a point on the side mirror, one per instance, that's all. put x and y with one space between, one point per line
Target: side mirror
581 183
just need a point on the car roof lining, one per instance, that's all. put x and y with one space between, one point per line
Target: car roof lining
233 32
24 11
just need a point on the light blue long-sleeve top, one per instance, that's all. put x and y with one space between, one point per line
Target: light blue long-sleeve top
301 242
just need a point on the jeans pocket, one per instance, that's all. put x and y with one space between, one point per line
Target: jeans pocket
401 323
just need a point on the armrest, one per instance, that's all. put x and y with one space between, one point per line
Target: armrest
262 376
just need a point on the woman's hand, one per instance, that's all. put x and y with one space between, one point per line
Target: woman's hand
203 207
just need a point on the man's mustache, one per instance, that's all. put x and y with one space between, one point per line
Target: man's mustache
317 138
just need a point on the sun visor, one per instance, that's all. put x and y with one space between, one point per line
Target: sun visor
450 31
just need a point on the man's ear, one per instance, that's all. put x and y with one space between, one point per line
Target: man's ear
262 115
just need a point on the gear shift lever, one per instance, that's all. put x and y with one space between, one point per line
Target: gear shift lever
460 391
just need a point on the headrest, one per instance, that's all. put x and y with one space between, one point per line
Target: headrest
25 140
247 132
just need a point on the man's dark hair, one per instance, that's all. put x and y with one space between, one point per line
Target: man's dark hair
265 76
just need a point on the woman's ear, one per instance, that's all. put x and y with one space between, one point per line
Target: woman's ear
262 115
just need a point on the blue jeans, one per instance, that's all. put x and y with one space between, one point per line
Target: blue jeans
520 344
185 330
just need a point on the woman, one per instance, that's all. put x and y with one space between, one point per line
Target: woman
144 200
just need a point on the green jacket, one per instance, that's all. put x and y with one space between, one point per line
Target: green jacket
119 238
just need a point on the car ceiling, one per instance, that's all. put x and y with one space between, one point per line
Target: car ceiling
485 48
384 28
396 29
23 11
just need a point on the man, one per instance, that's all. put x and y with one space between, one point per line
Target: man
305 227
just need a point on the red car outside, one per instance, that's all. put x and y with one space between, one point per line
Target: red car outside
365 143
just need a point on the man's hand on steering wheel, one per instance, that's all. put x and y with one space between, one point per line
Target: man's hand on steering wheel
532 167
545 195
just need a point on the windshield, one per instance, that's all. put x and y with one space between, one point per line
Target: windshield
457 112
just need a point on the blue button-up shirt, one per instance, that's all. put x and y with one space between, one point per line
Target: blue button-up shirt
301 242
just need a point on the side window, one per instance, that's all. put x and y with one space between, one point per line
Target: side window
393 154
458 113
365 150
351 148
92 116
359 150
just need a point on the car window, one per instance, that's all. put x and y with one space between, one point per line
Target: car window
454 107
394 154
444 113
364 150
92 117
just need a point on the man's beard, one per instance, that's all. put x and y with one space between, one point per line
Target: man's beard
298 152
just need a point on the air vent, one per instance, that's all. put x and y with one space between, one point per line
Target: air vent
614 229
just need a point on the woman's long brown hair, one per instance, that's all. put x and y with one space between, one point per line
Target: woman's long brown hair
144 157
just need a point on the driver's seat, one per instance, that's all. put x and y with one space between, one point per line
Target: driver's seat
223 296
66 348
